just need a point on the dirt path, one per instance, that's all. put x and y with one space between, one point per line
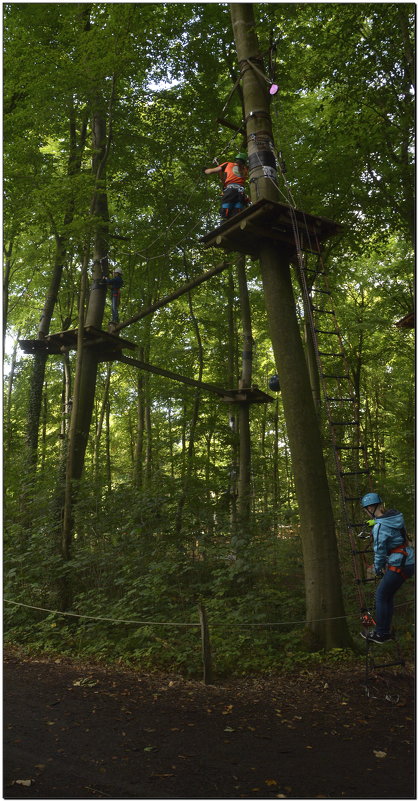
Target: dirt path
82 731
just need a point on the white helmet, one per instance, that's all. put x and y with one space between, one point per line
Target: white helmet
117 270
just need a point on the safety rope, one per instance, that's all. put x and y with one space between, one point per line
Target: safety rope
158 623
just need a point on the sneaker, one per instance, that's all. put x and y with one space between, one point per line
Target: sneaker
373 636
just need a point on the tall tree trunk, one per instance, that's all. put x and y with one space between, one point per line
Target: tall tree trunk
99 428
148 433
311 359
323 591
6 284
44 422
108 455
65 404
140 427
276 481
244 470
192 430
40 357
87 358
233 471
10 381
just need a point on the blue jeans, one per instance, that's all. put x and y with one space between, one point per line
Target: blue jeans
115 307
390 583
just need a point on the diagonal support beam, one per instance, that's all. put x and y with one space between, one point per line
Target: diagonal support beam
174 295
151 368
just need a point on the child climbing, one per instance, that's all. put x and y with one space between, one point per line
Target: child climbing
234 175
115 284
394 561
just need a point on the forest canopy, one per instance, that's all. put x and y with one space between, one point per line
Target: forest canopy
111 112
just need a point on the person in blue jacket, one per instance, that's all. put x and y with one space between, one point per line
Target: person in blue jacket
394 561
115 284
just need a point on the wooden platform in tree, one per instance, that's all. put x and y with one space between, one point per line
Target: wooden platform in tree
109 345
407 322
269 220
248 395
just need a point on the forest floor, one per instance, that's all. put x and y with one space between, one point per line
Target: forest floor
77 730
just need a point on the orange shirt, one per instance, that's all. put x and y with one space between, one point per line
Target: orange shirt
234 174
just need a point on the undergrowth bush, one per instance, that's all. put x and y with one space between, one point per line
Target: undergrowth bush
132 570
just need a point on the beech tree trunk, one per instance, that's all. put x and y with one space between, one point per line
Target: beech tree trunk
76 148
87 358
232 421
192 431
323 591
244 468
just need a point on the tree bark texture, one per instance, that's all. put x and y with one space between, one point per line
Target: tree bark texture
40 358
322 573
244 472
87 360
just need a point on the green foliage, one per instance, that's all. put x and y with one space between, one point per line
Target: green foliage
155 521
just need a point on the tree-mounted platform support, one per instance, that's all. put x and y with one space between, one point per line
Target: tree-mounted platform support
269 220
247 395
108 345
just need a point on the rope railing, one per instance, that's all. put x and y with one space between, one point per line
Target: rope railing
171 623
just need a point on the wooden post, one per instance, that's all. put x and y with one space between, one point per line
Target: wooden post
206 650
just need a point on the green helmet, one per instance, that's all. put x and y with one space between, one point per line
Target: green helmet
241 156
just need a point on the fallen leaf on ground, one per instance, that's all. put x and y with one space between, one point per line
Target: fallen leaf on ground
380 754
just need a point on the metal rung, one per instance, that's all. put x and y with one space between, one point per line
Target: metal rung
354 472
322 311
334 375
321 291
363 581
320 331
349 448
378 665
323 353
340 400
355 498
344 423
315 272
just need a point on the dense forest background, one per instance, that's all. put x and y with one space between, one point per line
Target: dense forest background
154 529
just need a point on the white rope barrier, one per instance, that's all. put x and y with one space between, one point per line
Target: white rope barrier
212 625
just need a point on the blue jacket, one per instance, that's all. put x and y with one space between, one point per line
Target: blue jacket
389 532
115 283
